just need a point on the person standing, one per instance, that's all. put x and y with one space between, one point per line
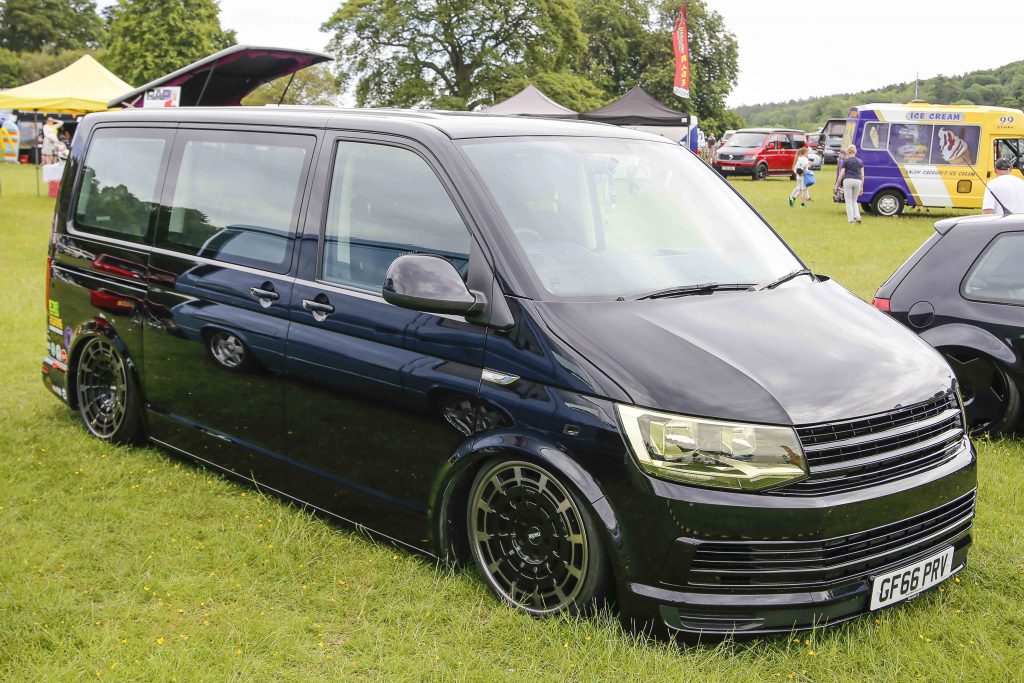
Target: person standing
851 179
1004 193
800 166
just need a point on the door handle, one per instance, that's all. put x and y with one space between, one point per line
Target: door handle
264 293
319 309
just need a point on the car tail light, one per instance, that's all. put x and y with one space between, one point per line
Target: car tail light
882 304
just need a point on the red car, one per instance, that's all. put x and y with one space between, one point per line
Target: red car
760 152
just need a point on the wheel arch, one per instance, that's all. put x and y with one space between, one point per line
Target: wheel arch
452 488
961 336
91 330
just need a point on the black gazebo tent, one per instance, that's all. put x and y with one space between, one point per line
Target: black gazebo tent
637 108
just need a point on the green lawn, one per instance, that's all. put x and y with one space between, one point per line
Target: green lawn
129 564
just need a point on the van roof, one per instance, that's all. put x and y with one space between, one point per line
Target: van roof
453 124
769 130
941 107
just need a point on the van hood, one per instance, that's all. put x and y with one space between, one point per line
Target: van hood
797 354
739 151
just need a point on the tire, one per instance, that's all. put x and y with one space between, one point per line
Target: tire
229 352
865 207
535 541
991 397
888 203
108 398
760 172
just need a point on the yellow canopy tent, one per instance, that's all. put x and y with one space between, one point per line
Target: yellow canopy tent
80 88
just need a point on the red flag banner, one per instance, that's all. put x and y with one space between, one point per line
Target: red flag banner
681 86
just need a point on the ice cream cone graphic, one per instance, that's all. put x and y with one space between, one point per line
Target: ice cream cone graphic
954 150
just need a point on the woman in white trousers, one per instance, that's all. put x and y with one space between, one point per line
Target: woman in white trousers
851 179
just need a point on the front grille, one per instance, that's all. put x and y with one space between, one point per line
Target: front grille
866 451
817 565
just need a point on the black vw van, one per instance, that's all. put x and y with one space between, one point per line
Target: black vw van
566 352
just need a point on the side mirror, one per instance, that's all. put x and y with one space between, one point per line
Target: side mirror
771 145
431 284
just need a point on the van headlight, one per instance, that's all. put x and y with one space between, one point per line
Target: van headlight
701 452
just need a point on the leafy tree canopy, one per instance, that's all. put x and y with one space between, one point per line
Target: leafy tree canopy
451 54
630 44
34 25
315 85
149 38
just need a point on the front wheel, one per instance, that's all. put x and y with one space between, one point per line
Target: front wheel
760 172
108 399
888 203
535 541
991 397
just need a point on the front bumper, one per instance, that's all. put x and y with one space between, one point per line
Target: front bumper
734 168
732 572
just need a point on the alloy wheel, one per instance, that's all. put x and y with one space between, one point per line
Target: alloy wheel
986 391
102 387
227 349
528 537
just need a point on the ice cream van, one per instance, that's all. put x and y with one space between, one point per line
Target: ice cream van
931 155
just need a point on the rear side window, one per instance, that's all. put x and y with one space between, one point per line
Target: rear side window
118 190
998 276
384 202
234 196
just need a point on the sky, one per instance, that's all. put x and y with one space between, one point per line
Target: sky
788 49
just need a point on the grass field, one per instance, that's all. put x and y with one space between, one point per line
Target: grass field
128 564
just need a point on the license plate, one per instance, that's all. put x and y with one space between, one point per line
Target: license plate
908 581
728 168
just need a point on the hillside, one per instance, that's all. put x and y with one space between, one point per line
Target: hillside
1003 86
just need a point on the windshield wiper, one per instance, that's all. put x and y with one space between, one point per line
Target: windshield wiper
687 290
785 278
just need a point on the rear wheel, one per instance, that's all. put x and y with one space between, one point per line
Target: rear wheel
108 399
888 203
535 541
991 397
760 172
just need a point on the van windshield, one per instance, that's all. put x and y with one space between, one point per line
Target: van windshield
746 140
606 217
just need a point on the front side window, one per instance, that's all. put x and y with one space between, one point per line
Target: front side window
384 202
600 218
235 197
1012 149
118 190
998 276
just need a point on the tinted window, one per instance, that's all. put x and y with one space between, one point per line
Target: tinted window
998 275
119 183
385 202
875 136
235 196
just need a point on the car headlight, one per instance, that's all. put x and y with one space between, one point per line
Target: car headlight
712 453
751 158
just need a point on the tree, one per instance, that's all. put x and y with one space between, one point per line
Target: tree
631 44
150 38
315 85
33 25
451 54
11 73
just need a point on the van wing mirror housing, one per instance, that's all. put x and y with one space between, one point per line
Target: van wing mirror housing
422 282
